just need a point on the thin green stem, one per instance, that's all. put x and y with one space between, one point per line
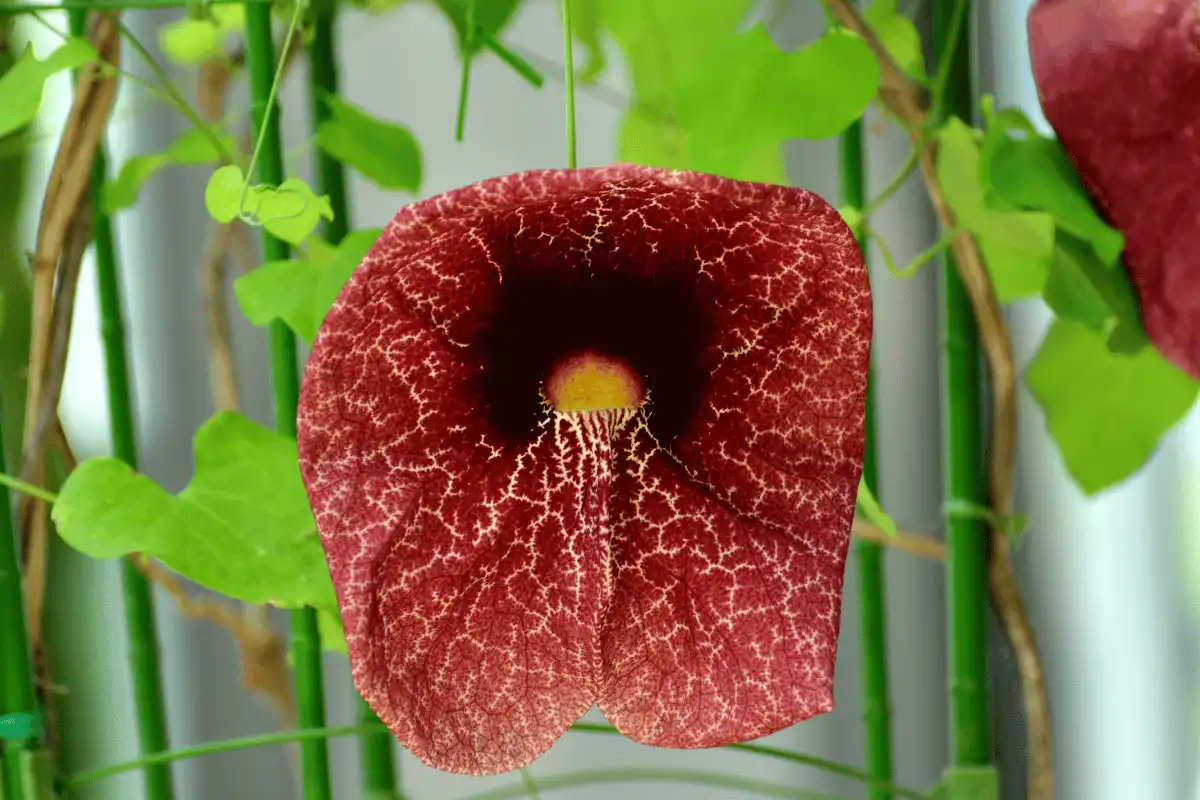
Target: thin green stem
718 780
224 746
569 82
306 646
27 488
531 789
465 77
514 61
17 694
311 734
138 600
113 5
176 97
786 755
877 713
966 555
378 764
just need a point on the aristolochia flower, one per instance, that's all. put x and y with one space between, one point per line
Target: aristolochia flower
591 436
1117 80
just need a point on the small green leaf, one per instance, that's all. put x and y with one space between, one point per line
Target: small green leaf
1106 411
289 212
191 41
241 527
873 512
223 194
1033 172
968 783
21 87
651 142
300 292
1017 246
193 147
1081 288
899 35
812 93
384 152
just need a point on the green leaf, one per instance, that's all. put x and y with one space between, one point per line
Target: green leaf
899 35
223 194
1033 172
812 93
191 41
490 16
241 527
968 783
331 631
21 87
586 26
873 512
1017 246
384 152
289 212
1106 411
643 139
193 147
300 292
1079 287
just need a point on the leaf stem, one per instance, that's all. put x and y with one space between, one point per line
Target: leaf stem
172 92
268 153
569 83
27 488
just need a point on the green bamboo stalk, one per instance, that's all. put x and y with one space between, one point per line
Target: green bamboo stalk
378 765
966 539
17 694
876 700
305 641
139 602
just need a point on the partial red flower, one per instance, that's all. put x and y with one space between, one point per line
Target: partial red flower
1118 80
501 562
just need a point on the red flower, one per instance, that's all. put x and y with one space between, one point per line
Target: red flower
502 564
1118 81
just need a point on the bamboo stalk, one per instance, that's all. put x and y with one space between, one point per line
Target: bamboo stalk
378 766
17 693
138 600
966 539
305 641
876 700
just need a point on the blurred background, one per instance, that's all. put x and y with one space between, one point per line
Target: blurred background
1111 581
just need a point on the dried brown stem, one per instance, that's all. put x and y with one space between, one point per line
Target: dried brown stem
907 100
66 194
913 543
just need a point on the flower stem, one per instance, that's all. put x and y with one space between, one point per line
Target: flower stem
306 646
138 600
569 83
876 699
378 765
966 554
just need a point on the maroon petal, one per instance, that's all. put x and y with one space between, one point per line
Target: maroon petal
500 565
1111 75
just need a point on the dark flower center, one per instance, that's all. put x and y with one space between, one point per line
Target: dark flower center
655 326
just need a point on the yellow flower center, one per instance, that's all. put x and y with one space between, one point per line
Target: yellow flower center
593 381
